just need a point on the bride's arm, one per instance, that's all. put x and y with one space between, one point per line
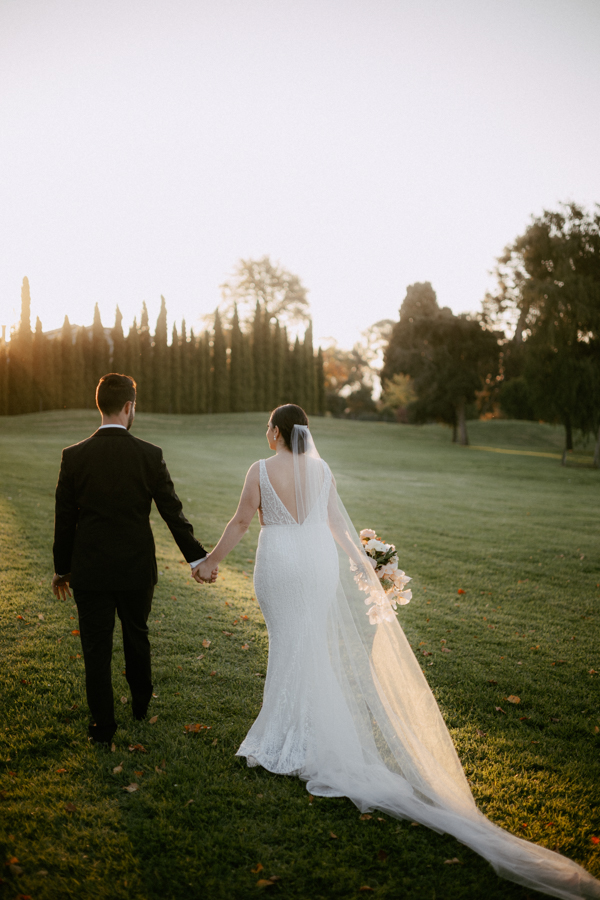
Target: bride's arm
239 524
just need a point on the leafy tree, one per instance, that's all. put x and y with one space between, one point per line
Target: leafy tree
146 381
280 293
39 369
20 381
175 372
549 293
448 358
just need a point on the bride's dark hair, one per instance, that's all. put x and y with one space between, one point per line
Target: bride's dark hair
284 418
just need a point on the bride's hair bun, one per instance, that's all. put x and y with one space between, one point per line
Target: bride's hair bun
284 418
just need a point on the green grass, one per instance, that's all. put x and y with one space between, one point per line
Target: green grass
518 534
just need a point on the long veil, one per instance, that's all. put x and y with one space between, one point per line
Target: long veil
385 745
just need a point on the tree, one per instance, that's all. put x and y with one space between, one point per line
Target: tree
146 381
448 358
160 362
549 293
220 388
175 372
99 350
236 366
20 382
280 293
118 339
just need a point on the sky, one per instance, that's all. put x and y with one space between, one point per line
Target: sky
147 145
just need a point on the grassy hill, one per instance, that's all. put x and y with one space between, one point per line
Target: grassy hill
517 534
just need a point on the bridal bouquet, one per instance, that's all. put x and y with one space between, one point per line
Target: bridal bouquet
384 560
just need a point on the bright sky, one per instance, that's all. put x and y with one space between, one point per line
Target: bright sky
147 145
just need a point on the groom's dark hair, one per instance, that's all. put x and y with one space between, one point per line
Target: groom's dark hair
113 392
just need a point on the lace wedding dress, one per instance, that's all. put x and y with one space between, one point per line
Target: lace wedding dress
346 706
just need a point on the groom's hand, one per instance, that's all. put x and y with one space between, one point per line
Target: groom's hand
205 572
60 586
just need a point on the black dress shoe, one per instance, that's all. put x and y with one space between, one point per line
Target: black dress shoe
139 712
101 735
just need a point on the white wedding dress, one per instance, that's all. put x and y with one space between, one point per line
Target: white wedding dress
346 705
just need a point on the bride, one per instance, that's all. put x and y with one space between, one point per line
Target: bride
346 705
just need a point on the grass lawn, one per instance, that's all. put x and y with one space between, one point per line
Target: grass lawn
504 554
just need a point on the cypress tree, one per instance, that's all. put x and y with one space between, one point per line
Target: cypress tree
56 346
236 365
309 371
67 374
248 392
145 343
194 386
39 368
278 364
298 370
258 358
20 386
99 350
220 387
85 389
133 352
160 364
206 374
287 386
118 339
3 376
175 354
320 384
186 370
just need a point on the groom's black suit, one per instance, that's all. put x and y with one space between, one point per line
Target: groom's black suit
102 536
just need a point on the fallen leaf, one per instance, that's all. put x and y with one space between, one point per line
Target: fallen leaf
481 733
592 672
426 652
20 617
245 646
118 769
228 633
559 662
75 631
452 862
366 887
201 656
333 836
548 824
595 840
415 824
524 825
535 742
138 747
153 720
259 868
113 748
140 774
382 855
523 718
265 883
41 617
491 681
512 698
274 878
379 819
213 672
206 643
446 650
43 872
554 720
310 798
499 709
215 742
596 729
245 618
123 700
187 803
194 729
460 591
365 816
131 788
70 807
60 771
14 869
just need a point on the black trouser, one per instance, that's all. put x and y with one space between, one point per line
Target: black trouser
96 625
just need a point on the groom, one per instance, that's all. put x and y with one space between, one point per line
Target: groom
104 548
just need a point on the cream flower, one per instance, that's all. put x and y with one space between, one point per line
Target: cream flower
367 533
374 544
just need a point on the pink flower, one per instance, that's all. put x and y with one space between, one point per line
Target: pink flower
367 533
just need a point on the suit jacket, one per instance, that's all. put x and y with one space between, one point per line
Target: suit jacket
102 532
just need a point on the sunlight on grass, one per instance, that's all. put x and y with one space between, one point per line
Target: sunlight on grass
517 535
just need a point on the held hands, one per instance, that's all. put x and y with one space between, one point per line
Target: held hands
205 571
60 586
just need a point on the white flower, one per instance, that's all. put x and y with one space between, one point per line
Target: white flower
367 533
404 597
372 561
379 614
374 544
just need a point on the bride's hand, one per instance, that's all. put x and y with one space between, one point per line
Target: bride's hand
206 571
